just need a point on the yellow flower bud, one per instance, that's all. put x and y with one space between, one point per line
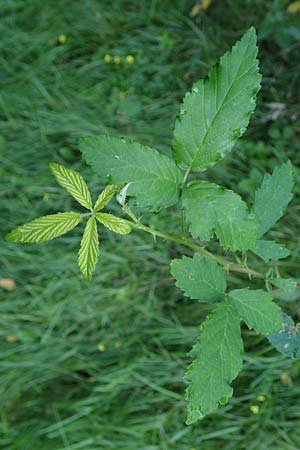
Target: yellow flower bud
101 347
107 58
129 59
62 39
254 409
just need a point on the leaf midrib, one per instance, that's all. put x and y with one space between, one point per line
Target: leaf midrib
217 112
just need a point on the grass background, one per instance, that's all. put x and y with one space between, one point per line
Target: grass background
99 365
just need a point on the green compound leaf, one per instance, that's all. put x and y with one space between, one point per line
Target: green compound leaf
73 182
45 228
257 309
273 196
287 340
89 249
269 250
217 362
106 195
200 278
211 209
217 111
113 223
154 178
285 284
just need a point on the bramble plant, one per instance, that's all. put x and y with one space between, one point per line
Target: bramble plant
212 117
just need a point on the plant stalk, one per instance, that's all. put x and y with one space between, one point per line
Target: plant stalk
228 265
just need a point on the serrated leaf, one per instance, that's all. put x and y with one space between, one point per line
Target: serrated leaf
269 250
89 249
217 111
106 195
257 309
287 339
273 196
113 223
211 209
44 228
154 178
285 284
217 362
200 278
73 182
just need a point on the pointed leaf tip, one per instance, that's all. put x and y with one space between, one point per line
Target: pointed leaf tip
257 309
89 249
44 228
113 223
273 196
106 195
218 360
73 182
217 110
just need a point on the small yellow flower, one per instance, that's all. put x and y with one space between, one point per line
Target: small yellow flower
261 398
117 59
107 58
62 39
254 409
11 338
8 284
129 59
101 347
286 379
